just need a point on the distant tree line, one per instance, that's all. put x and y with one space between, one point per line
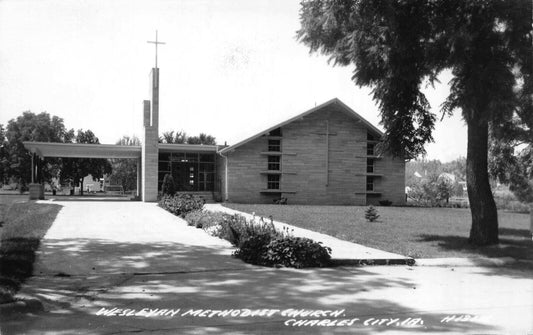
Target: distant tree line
180 137
15 160
432 182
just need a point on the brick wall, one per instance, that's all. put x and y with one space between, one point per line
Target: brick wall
311 173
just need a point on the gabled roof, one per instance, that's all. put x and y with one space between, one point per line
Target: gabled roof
333 101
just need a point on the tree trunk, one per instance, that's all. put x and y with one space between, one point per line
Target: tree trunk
81 186
484 229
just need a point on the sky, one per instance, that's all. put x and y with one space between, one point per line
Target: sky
229 68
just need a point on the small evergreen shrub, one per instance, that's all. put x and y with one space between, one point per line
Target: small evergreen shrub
371 213
168 186
181 204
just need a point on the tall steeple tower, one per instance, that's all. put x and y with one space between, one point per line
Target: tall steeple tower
150 146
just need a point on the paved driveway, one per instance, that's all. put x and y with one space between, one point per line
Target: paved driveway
130 267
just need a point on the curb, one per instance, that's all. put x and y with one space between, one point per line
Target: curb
21 306
361 262
457 262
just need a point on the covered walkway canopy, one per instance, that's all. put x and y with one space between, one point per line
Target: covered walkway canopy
76 150
79 150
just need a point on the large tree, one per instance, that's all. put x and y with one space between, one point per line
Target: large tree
76 169
42 127
202 139
179 137
125 169
396 46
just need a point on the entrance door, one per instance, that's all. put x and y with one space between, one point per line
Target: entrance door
185 176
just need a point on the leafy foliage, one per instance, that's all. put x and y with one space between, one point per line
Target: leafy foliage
485 44
125 169
371 213
205 219
260 243
297 252
181 137
516 170
202 139
43 127
181 204
254 250
236 229
76 169
169 137
168 187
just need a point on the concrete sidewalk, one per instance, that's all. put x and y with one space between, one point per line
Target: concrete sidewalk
130 267
342 252
127 237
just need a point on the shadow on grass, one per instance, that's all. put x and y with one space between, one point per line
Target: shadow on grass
514 243
23 228
102 273
515 232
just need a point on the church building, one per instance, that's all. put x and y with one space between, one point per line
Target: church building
324 156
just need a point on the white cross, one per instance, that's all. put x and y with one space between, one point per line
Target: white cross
156 42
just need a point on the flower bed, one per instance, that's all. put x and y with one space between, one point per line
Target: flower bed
181 204
259 242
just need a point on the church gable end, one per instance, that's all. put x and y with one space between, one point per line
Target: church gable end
320 157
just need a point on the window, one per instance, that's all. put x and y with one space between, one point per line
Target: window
274 163
369 183
274 145
369 165
273 182
370 149
370 137
208 158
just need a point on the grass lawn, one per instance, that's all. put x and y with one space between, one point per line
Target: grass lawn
410 231
23 225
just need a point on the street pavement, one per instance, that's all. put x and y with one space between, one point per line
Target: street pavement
131 267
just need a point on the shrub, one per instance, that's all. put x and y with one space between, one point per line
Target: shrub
507 201
259 242
168 187
254 249
297 252
371 213
236 229
288 251
181 204
385 202
193 218
204 219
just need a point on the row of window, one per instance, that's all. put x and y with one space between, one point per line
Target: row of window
191 157
370 151
273 161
